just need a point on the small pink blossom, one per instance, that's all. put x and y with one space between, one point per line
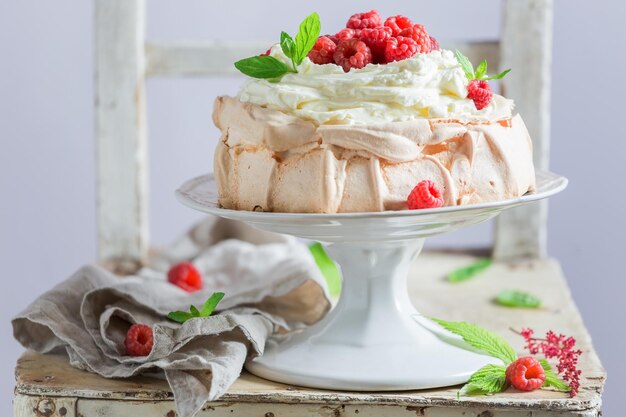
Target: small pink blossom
560 347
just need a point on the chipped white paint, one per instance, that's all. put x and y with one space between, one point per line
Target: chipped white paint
121 130
98 408
526 47
44 406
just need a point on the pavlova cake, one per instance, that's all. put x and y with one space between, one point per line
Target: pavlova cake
376 117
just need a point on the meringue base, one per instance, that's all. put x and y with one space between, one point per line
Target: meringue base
335 168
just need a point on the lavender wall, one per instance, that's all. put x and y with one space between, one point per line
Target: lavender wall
47 212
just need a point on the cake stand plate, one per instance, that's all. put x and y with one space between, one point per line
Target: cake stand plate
374 339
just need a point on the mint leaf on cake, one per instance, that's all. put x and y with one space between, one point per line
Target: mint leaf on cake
262 67
307 35
265 66
478 89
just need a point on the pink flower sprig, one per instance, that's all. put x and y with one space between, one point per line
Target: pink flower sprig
560 347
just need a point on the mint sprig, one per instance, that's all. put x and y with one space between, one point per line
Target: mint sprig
481 339
207 309
517 299
268 67
308 32
481 70
489 379
262 67
552 380
469 271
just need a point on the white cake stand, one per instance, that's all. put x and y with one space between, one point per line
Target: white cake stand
372 340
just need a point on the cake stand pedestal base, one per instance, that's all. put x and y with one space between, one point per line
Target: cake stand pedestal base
370 341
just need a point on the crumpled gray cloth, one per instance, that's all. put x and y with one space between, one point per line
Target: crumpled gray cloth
271 284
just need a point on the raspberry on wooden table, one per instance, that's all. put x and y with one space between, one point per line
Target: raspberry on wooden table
323 51
376 39
186 276
369 19
400 48
139 340
419 35
480 92
424 195
526 374
352 53
398 23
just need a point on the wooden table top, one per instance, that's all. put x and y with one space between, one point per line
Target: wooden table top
51 375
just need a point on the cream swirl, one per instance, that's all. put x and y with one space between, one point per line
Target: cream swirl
425 86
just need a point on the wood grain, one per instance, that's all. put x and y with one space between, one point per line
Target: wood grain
526 47
121 143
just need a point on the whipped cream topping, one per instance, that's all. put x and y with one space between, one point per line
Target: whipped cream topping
425 86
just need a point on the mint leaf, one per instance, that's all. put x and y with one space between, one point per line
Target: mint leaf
308 32
262 67
514 298
489 379
287 44
466 65
211 303
481 69
467 272
179 316
497 76
207 309
327 267
552 379
482 339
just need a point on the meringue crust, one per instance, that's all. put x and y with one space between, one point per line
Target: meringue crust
273 161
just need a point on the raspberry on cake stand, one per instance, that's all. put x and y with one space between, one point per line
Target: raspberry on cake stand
374 339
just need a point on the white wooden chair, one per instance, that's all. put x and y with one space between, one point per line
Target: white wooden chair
47 386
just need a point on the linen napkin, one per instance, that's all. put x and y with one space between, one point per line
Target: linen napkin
271 284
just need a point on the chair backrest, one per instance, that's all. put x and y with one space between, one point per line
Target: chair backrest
124 60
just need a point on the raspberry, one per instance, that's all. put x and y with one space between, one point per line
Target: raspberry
480 92
369 19
419 35
526 374
434 45
186 276
424 195
333 38
345 34
139 340
323 51
352 53
397 23
376 39
400 48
